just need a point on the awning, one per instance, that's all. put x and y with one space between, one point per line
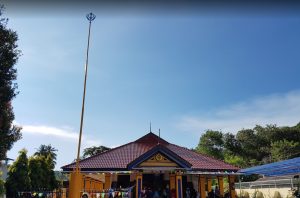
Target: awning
286 167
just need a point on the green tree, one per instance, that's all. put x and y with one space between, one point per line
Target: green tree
211 143
46 155
277 140
9 55
51 179
285 149
49 153
18 178
35 173
94 150
287 133
2 189
252 147
231 145
41 174
235 160
297 126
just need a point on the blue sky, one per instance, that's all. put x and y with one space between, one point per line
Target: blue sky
184 72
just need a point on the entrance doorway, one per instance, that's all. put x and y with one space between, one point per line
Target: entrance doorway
154 181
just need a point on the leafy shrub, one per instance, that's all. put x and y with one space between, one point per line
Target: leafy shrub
277 194
259 195
244 194
1 187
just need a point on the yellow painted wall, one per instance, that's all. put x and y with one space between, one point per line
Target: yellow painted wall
172 181
221 185
107 183
209 182
202 184
231 179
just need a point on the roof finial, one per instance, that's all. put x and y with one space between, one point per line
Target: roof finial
150 127
158 135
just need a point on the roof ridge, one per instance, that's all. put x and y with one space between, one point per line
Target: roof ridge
153 135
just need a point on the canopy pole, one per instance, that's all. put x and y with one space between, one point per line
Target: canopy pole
75 182
90 17
240 184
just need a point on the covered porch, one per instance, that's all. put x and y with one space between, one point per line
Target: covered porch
161 183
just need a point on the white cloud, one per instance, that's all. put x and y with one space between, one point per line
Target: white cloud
280 109
66 133
64 139
47 130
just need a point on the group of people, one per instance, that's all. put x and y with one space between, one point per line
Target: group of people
148 192
214 193
190 192
167 193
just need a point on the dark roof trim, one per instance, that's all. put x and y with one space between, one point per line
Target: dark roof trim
95 169
160 149
227 170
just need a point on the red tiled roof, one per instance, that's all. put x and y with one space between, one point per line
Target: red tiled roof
118 158
200 161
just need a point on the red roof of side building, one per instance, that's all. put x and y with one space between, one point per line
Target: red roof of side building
120 157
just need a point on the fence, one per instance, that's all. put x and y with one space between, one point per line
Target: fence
274 183
269 187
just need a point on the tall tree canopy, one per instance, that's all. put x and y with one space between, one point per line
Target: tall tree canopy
48 152
249 147
9 55
44 159
41 174
33 174
18 177
284 149
94 150
211 143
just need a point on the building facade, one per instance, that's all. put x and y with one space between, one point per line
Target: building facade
151 164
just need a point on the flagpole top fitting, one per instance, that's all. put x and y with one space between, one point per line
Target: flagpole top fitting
90 17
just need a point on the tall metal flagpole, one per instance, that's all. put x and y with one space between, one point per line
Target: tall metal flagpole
90 17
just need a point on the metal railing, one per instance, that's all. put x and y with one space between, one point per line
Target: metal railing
275 183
